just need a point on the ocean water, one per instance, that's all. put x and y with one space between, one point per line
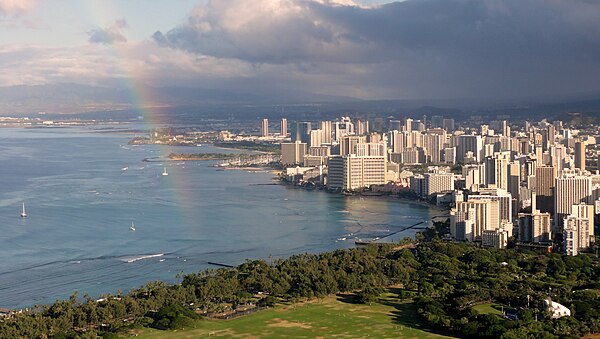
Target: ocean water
84 186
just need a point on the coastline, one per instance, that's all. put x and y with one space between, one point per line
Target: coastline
381 196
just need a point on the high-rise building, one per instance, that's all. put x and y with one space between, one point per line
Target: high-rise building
370 149
264 128
395 125
301 131
536 226
505 211
479 213
585 211
558 156
342 128
571 188
316 137
408 125
474 175
497 238
469 143
433 145
437 121
293 153
544 188
351 172
362 127
284 127
514 183
496 170
448 125
580 155
348 143
575 234
326 127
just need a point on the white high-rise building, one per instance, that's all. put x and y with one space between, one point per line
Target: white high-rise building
496 194
587 212
327 131
351 172
284 127
343 128
570 188
264 128
482 215
575 234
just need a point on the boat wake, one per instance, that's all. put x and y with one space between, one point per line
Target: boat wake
141 257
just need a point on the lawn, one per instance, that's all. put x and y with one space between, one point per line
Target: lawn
488 309
329 317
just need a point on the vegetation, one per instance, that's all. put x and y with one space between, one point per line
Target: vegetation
447 282
250 145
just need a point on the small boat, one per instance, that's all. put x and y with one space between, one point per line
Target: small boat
124 168
165 172
132 228
23 213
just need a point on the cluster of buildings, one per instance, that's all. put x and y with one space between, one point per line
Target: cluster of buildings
531 182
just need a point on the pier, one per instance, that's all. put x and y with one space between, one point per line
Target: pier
364 242
220 265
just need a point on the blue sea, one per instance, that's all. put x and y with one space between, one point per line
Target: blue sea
84 186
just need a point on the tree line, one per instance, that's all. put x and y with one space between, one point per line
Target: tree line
446 280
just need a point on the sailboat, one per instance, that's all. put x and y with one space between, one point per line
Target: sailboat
132 228
23 214
165 172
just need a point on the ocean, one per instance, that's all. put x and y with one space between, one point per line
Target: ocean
84 186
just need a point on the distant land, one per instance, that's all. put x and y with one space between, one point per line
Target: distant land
96 102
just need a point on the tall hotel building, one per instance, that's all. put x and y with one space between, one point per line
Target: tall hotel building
469 219
293 153
352 172
544 187
264 128
284 127
580 155
571 188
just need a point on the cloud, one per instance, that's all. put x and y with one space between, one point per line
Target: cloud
440 48
110 35
16 7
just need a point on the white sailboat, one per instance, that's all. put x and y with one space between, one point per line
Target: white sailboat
23 213
132 228
165 172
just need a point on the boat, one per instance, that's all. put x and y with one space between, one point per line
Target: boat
165 172
23 213
132 228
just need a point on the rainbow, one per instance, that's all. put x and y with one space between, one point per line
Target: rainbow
140 95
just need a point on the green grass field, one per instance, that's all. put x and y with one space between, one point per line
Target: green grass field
330 317
487 309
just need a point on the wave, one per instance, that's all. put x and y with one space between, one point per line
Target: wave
142 257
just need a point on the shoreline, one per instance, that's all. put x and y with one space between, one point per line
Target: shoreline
379 196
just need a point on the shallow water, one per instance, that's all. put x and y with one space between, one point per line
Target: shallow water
81 202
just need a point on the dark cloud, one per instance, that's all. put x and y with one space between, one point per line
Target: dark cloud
422 48
109 35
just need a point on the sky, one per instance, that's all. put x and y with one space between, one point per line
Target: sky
361 49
